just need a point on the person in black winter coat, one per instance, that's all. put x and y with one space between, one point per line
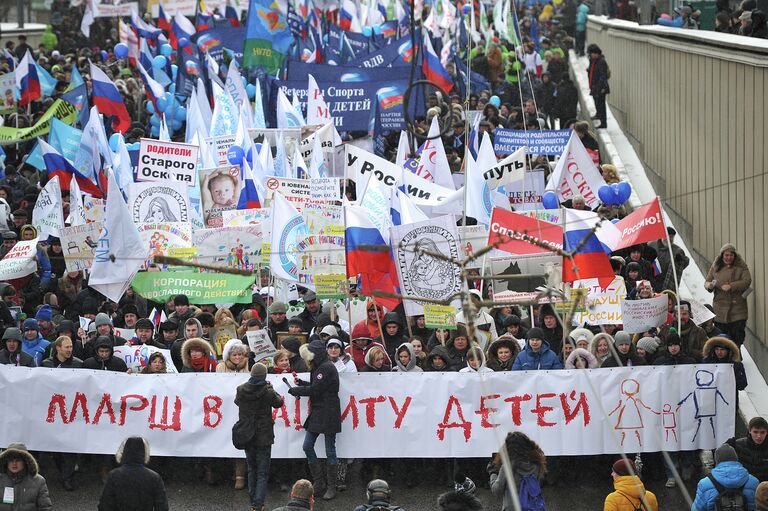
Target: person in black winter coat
674 356
623 352
11 354
598 82
721 350
120 491
553 330
324 415
312 309
392 333
103 358
752 450
255 400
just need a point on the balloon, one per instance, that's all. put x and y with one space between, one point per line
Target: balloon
625 190
154 120
174 71
615 221
104 55
150 107
183 42
192 68
377 29
466 8
162 103
550 201
495 101
605 193
166 50
176 124
172 88
114 141
250 89
155 131
121 50
235 155
615 191
159 61
134 147
367 31
180 113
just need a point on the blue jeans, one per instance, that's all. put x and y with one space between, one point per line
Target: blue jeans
330 448
258 459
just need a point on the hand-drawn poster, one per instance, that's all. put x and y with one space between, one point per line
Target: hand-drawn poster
77 244
472 238
236 247
422 274
247 217
94 209
161 238
322 252
219 192
156 202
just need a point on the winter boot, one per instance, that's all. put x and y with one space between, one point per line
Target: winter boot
332 472
240 473
318 478
341 479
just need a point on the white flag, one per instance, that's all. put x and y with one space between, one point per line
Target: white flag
120 251
317 166
576 174
288 230
509 170
287 117
433 164
317 110
403 149
76 209
48 217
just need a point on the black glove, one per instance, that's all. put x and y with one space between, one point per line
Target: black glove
293 391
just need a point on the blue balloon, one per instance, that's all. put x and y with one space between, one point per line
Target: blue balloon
180 113
235 155
176 124
495 101
104 55
625 191
172 89
615 221
183 42
377 29
166 50
114 141
154 120
550 201
466 8
134 147
150 107
615 191
367 31
250 89
154 131
249 157
121 50
605 193
174 72
162 104
159 61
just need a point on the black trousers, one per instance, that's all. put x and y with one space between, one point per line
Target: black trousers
600 109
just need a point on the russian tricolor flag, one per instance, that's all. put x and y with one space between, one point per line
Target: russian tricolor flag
162 19
591 260
433 69
108 100
57 165
27 80
231 14
181 28
368 255
249 195
154 90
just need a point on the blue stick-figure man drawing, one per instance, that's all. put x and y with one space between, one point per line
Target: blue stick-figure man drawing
704 400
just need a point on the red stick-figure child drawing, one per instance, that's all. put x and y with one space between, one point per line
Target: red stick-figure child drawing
669 421
704 400
630 417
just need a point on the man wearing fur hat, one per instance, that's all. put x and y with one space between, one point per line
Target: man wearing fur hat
120 489
23 486
324 416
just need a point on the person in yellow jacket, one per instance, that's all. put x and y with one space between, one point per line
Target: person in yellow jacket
629 494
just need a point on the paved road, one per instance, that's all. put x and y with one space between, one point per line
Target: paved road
581 488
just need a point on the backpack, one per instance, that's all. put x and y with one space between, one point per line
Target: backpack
530 494
729 499
634 508
376 507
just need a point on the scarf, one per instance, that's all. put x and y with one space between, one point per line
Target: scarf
199 364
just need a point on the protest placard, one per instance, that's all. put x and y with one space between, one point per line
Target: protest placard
220 145
158 202
137 357
325 188
248 217
526 194
296 191
603 306
94 209
219 191
19 261
8 93
162 237
642 315
200 288
439 316
526 277
167 161
548 142
236 247
511 232
331 285
260 345
77 244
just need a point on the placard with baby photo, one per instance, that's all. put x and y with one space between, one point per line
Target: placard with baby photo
219 191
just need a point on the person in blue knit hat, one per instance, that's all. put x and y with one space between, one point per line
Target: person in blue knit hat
44 317
33 344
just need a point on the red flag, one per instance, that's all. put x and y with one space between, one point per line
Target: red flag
507 228
642 225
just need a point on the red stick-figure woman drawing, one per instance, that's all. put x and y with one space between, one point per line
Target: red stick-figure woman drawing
630 416
669 421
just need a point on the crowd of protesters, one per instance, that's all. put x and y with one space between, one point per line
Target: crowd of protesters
530 87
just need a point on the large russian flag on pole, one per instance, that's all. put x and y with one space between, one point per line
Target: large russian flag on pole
369 255
590 259
433 69
57 165
181 28
27 80
154 90
108 100
162 19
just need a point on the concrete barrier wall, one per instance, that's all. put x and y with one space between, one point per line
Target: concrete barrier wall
694 106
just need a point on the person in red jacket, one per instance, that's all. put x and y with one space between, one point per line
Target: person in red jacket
361 344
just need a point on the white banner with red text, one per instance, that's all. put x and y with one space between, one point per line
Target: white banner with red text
577 412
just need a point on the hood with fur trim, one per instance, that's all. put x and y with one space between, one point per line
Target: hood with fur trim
592 362
710 345
459 501
18 451
477 352
195 342
313 353
228 348
596 341
133 450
